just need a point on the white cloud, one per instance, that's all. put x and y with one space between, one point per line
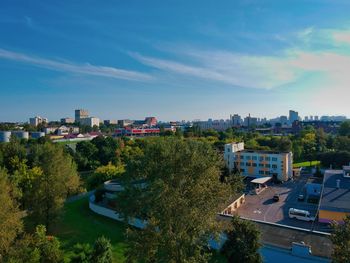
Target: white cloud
71 67
342 37
229 68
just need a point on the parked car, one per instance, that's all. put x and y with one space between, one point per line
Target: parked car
276 197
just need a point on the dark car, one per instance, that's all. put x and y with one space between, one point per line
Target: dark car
276 197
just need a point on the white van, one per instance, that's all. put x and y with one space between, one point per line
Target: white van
300 214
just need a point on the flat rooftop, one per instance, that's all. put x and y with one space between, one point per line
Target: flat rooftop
333 198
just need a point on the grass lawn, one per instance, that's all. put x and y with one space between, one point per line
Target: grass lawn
306 164
80 225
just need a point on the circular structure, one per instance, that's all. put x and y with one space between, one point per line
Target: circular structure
37 135
21 134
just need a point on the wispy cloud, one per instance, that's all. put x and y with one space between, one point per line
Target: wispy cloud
228 68
342 37
70 67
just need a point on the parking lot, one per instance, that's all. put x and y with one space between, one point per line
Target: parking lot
263 207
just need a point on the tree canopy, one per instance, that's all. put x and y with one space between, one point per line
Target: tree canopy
180 198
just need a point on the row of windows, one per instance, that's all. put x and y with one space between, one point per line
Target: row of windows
274 166
260 172
255 158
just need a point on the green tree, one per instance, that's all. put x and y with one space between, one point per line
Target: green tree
344 129
341 241
102 251
284 144
321 140
13 151
342 143
106 149
10 215
85 155
242 243
24 250
180 198
49 246
104 173
59 179
81 253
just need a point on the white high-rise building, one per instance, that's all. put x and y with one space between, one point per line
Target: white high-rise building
37 120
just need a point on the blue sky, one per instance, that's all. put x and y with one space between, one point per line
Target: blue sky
173 59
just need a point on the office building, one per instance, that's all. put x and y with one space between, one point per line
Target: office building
35 121
81 114
236 120
277 165
5 136
293 116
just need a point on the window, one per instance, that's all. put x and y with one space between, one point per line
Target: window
261 165
267 158
248 164
242 157
267 165
274 159
255 158
267 172
274 166
254 164
248 157
242 170
261 172
261 158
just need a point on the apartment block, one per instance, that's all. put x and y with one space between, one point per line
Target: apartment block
252 163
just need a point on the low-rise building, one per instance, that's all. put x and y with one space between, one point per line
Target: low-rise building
90 121
252 163
335 196
67 120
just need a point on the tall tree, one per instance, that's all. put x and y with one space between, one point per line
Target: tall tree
180 196
59 179
341 241
102 251
10 215
242 243
344 129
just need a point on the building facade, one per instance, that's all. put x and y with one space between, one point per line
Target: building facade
278 165
35 121
90 121
81 114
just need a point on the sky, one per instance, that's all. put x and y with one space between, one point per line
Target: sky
176 60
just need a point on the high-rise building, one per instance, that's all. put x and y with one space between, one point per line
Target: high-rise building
293 116
236 120
81 114
37 120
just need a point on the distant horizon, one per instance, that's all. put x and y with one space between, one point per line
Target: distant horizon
176 60
164 120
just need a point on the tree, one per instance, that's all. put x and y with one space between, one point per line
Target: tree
242 243
85 154
344 129
81 253
104 173
284 144
49 246
102 251
59 179
341 241
180 198
107 149
10 215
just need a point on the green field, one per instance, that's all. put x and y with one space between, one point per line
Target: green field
306 164
79 224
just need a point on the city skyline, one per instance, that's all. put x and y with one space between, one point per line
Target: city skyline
139 59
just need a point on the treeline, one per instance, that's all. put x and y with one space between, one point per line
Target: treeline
36 177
